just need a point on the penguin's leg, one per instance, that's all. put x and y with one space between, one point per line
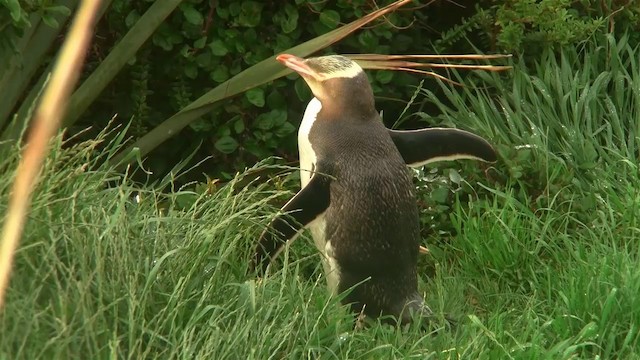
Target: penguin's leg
307 205
421 147
360 322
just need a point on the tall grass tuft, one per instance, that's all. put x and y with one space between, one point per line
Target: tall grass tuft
551 255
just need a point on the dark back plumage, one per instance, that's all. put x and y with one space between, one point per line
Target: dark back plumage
372 221
357 194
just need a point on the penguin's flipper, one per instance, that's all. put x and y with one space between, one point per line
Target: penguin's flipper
421 147
307 205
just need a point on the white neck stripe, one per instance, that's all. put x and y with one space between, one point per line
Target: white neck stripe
348 73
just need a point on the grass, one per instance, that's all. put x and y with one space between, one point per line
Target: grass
543 263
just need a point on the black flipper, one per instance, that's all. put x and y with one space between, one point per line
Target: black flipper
420 147
303 208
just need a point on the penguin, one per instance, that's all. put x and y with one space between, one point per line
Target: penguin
357 195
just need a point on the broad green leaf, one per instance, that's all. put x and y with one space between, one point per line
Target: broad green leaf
255 96
302 90
234 8
250 36
318 27
271 119
330 18
226 144
223 131
285 129
275 100
440 194
264 122
200 43
162 42
231 34
218 48
250 12
220 74
240 47
201 125
279 116
131 18
191 70
291 10
50 21
290 21
238 126
384 77
455 177
289 25
203 59
368 39
192 15
185 51
222 12
283 42
58 9
14 9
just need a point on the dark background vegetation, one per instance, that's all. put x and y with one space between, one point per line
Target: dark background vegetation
204 42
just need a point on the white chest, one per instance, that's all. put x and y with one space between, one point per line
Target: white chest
308 159
308 156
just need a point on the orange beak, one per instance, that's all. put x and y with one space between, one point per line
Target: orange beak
297 64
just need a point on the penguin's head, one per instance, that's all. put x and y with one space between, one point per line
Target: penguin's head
332 78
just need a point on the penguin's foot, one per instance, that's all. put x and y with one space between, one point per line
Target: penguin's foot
417 311
428 321
435 324
360 322
452 322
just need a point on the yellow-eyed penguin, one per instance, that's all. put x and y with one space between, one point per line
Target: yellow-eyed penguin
357 194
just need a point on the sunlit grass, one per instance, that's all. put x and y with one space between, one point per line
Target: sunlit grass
543 263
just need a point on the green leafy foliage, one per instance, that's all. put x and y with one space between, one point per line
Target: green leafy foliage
550 23
203 44
532 26
14 20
